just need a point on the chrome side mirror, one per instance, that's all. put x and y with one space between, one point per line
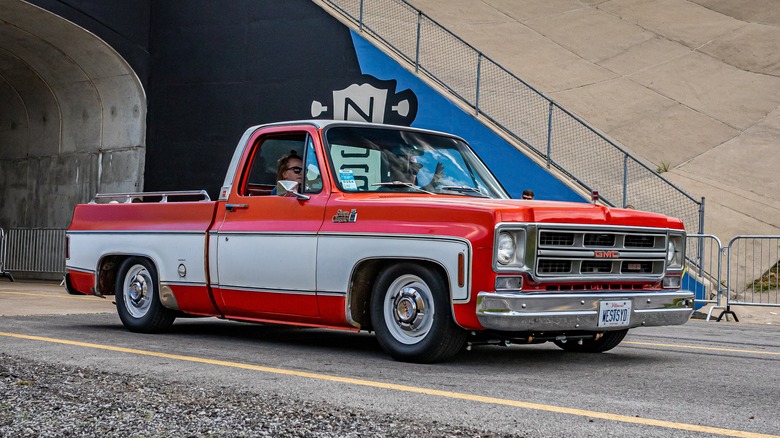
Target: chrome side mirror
289 189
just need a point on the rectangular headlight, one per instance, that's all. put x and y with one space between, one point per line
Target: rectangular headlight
509 247
675 251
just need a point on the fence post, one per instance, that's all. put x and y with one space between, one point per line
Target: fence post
4 256
361 16
625 180
417 47
701 216
479 73
549 133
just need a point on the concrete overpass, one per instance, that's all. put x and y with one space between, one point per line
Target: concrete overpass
72 118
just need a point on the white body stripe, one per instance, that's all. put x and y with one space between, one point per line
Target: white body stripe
337 255
276 262
167 250
266 261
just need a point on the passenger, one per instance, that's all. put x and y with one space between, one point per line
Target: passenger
528 194
290 168
407 167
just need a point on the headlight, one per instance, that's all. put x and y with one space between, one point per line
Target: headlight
675 251
505 249
509 249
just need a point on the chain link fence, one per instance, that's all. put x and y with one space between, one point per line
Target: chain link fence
565 142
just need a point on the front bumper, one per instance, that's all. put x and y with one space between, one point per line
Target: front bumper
522 312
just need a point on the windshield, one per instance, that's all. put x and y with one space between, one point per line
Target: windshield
367 159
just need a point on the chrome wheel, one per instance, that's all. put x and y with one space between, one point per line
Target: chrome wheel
409 309
138 291
412 316
138 297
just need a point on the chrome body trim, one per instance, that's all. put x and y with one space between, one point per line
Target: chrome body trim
518 312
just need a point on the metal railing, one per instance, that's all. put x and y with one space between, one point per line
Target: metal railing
561 139
4 256
745 272
705 256
753 274
35 250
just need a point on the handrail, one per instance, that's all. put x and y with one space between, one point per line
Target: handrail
565 142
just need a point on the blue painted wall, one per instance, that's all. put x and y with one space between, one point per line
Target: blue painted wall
515 171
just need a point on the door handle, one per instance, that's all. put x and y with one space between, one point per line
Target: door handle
232 207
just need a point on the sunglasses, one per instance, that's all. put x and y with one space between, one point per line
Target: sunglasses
295 169
527 197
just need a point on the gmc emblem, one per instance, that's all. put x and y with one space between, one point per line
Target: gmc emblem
606 254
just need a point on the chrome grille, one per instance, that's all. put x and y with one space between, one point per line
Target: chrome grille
596 267
640 241
641 267
555 266
593 239
607 253
556 239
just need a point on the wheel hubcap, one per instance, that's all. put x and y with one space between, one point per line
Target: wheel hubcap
409 308
137 291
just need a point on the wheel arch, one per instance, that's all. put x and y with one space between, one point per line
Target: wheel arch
364 277
108 268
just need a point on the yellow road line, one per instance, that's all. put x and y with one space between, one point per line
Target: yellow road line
410 389
696 347
52 295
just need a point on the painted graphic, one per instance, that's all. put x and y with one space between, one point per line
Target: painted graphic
370 100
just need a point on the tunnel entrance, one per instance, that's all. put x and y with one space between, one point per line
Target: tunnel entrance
72 118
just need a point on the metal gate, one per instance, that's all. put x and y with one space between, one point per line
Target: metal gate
744 273
34 250
4 256
753 271
705 256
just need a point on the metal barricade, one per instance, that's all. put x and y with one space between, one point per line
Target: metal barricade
753 274
4 256
35 250
705 255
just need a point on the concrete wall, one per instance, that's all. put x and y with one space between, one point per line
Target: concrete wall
72 118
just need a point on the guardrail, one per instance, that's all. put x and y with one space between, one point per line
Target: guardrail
561 139
4 257
705 255
753 275
35 250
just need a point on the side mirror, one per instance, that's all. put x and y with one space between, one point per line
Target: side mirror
289 189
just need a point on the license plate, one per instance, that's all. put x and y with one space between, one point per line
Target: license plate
614 313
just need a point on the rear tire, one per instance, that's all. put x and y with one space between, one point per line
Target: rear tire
412 316
607 342
138 298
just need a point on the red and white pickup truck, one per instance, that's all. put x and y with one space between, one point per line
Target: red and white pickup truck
397 230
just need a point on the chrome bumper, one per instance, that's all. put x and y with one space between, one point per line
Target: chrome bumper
521 312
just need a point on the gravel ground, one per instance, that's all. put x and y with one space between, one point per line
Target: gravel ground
44 400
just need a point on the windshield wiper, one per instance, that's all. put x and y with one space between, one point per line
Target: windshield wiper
401 184
464 189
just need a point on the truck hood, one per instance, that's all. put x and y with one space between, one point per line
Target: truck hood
527 211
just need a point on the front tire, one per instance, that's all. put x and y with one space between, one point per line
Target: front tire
607 342
412 317
138 298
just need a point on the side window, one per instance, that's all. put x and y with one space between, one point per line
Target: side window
312 175
261 178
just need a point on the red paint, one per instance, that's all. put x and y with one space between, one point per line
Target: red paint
462 217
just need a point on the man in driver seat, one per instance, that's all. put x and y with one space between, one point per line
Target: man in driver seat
405 167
